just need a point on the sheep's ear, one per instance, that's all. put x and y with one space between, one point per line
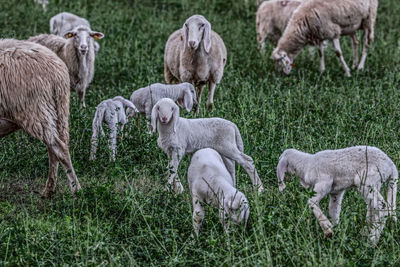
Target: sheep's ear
97 35
69 34
207 37
188 100
175 114
281 171
154 118
184 36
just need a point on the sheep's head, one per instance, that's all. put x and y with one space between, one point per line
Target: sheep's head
197 29
282 61
83 38
284 167
188 98
238 209
164 111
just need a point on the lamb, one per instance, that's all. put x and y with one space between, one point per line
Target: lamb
318 20
180 136
334 171
34 96
210 182
145 98
112 112
65 21
78 54
197 55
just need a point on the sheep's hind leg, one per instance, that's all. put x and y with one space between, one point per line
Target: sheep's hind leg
335 206
354 45
364 50
51 182
321 57
230 166
338 50
321 190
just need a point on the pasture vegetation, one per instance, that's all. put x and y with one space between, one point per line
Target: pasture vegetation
124 216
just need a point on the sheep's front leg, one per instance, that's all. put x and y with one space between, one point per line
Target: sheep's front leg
173 165
113 139
335 206
364 50
354 45
321 190
81 95
198 215
199 93
210 100
338 50
321 57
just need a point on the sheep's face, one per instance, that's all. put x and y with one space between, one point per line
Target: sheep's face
83 38
282 61
238 209
197 29
165 112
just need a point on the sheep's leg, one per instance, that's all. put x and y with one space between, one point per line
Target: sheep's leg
81 95
198 215
338 50
94 143
7 127
335 206
354 45
321 190
321 57
199 93
364 50
230 166
51 182
113 140
173 171
377 211
210 100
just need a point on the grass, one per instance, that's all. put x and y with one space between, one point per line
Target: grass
123 215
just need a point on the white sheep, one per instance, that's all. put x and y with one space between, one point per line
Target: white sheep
112 112
180 136
44 3
77 51
210 182
197 55
64 22
34 96
318 20
334 171
145 98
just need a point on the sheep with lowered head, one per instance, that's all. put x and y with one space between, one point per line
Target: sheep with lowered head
77 51
179 136
197 55
210 182
318 20
34 96
332 172
64 22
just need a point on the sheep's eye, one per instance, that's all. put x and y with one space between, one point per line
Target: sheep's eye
186 25
202 25
158 108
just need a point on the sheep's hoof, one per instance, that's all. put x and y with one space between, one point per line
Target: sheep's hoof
328 233
260 189
47 193
178 188
210 106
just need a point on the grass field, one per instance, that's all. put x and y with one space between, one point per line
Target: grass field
123 215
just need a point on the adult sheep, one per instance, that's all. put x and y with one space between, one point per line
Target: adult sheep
34 96
197 55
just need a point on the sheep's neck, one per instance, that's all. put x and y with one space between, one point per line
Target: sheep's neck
299 162
291 43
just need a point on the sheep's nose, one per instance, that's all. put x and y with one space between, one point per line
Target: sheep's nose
164 119
83 47
192 44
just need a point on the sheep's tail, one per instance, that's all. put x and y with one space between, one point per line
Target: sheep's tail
239 141
96 126
392 192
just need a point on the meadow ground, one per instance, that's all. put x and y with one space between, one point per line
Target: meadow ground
123 215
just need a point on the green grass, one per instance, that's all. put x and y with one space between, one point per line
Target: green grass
123 215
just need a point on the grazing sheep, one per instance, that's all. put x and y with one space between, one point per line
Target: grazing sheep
318 20
34 96
78 54
64 22
334 171
112 112
210 182
145 98
197 55
179 136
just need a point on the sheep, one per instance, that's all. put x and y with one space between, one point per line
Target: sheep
180 136
318 20
334 171
112 112
197 55
210 182
34 96
78 54
145 98
65 21
44 3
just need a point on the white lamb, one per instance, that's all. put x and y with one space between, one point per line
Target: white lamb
112 112
179 136
334 171
210 182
